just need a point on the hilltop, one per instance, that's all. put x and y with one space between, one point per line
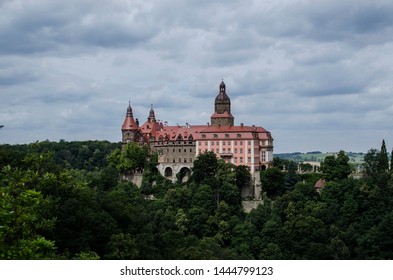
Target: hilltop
319 156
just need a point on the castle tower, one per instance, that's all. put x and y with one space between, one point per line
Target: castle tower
222 109
130 129
152 116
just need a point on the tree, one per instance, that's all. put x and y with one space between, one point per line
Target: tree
273 181
291 178
205 166
376 166
383 158
22 218
133 157
242 176
336 168
371 163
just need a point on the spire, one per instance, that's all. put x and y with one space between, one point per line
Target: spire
129 110
129 122
222 86
152 117
222 95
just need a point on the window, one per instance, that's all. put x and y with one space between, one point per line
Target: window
223 142
235 151
241 143
241 150
185 160
212 143
190 150
241 159
229 150
179 150
226 135
249 159
217 143
215 136
223 149
235 143
249 151
179 159
203 135
235 159
238 136
229 143
205 143
263 155
217 151
249 143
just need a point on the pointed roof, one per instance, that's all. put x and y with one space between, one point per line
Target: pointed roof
222 95
320 184
152 116
129 122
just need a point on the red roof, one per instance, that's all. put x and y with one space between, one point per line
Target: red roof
246 132
223 115
129 124
151 127
320 184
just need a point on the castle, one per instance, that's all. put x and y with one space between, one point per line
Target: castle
178 146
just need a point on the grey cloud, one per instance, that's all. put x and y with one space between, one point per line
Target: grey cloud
35 27
306 71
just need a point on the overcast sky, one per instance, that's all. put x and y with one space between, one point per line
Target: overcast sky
317 74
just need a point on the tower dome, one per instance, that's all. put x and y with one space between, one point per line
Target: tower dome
222 95
222 108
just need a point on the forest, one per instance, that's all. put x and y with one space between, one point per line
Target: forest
65 200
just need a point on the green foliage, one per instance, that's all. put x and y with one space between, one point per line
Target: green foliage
376 166
205 167
272 181
132 157
383 158
22 218
60 205
336 167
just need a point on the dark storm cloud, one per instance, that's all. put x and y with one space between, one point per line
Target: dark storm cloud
303 69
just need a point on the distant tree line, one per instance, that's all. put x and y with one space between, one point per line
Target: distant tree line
65 200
